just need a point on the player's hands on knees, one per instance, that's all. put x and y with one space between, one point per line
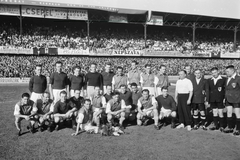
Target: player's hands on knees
144 113
98 113
45 117
27 118
114 113
206 103
188 102
74 134
68 114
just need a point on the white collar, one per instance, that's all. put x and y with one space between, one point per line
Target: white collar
233 76
219 77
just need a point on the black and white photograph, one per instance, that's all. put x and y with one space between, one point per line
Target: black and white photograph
120 79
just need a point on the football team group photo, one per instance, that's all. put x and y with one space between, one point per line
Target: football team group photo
120 80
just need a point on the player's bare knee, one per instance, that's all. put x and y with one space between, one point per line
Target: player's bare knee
36 117
202 113
139 116
195 112
109 117
75 113
41 119
215 112
123 114
56 119
237 112
18 120
174 114
155 112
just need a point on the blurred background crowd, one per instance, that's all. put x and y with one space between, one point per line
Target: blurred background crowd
73 35
23 66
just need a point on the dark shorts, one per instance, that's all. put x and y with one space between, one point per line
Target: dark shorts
217 105
234 105
198 106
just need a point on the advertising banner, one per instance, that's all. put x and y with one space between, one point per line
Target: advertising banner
230 55
127 52
15 50
156 20
100 52
14 80
41 12
9 80
66 51
45 51
118 18
77 14
54 13
201 54
165 53
9 10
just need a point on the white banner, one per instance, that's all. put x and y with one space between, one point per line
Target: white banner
33 11
15 50
9 80
230 55
77 14
118 18
73 51
14 80
55 13
9 10
127 52
156 20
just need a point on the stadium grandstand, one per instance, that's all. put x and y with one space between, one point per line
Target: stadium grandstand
80 32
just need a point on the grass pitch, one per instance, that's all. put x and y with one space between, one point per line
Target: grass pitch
141 143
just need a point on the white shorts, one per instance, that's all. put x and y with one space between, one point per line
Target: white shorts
90 91
149 113
159 91
89 127
151 90
104 89
72 93
36 96
165 112
56 94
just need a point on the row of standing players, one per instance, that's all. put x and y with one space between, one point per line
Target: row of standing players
193 95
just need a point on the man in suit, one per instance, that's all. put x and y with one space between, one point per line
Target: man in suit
199 96
216 87
232 100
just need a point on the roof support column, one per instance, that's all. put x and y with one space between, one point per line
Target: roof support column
235 38
145 34
20 18
194 28
88 32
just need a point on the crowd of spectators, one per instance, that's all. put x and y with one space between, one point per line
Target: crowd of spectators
107 36
23 66
48 34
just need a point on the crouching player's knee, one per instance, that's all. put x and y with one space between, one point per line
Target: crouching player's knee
109 117
174 114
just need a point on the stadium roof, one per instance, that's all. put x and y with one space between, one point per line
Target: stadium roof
211 8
